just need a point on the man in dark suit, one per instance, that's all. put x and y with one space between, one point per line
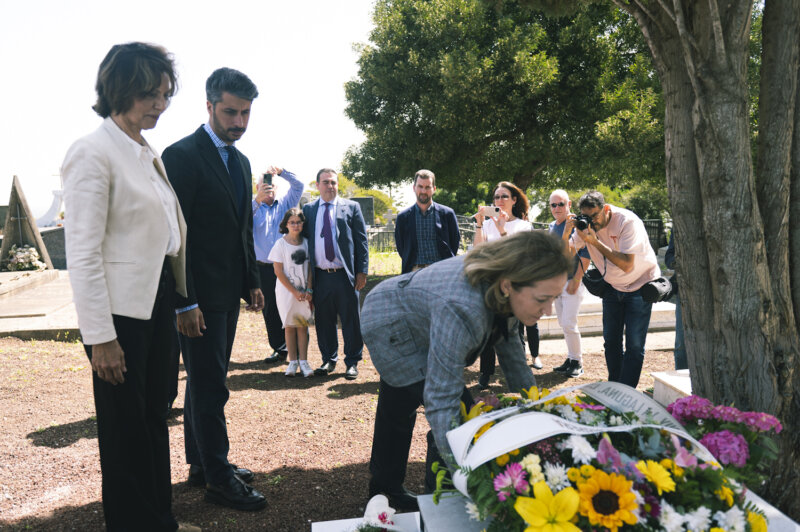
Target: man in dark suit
337 245
426 232
213 182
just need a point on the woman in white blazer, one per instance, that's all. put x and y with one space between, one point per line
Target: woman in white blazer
125 242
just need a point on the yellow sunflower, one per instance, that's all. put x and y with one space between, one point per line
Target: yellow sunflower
607 500
655 473
546 512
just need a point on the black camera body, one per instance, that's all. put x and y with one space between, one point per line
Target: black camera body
582 222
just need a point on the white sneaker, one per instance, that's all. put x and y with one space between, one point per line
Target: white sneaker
306 369
292 369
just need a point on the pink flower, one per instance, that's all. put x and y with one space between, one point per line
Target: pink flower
383 517
690 408
727 447
607 454
511 480
727 413
590 407
683 458
761 422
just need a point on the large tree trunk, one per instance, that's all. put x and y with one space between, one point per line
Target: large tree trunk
736 289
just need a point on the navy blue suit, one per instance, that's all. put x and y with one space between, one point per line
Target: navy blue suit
334 292
448 237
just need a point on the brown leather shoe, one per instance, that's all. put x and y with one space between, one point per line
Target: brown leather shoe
186 527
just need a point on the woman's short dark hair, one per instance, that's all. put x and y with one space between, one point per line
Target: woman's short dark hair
523 258
522 205
231 81
131 71
294 211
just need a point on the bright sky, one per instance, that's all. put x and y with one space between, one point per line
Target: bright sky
299 53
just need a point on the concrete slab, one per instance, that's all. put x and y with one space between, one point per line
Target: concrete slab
15 282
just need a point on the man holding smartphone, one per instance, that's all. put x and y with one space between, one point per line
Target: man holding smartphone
267 215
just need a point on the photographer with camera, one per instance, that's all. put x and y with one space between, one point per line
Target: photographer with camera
620 249
507 216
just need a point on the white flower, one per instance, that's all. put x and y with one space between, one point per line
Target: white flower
700 519
639 504
670 520
582 450
567 412
733 520
473 511
556 476
532 464
587 417
614 420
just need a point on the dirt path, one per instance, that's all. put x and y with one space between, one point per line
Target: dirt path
308 440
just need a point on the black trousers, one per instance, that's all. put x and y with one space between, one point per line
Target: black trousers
132 422
206 359
395 418
272 319
334 295
488 357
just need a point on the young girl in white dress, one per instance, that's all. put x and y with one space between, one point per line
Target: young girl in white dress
289 257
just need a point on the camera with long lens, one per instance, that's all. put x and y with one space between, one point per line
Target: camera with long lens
582 222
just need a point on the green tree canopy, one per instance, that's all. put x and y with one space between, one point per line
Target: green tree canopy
480 95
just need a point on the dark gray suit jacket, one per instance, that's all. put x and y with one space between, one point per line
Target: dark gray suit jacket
351 235
424 325
221 263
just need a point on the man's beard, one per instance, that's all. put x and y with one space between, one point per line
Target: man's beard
423 198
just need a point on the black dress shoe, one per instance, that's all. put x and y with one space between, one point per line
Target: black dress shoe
399 498
325 369
235 494
277 356
351 373
197 476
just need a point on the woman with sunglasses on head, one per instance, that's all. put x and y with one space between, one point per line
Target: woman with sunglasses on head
512 218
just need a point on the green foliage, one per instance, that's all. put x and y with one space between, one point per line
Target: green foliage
485 91
649 202
465 199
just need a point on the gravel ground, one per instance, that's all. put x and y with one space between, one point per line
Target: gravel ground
307 440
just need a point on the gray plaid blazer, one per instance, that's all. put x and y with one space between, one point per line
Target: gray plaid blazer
424 325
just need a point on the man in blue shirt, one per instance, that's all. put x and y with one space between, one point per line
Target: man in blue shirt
267 215
569 302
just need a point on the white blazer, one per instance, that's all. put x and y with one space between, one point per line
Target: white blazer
116 232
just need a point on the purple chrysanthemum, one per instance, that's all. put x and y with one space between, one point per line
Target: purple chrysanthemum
510 481
690 408
727 447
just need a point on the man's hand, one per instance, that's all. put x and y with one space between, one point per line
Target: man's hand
361 281
191 323
256 300
108 360
263 191
589 236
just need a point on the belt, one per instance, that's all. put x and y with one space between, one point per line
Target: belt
264 263
329 270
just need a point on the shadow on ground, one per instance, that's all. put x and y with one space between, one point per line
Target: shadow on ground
340 493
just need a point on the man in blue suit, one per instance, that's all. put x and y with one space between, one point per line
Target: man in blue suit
426 232
337 245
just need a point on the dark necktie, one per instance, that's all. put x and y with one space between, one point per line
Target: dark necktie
237 176
327 234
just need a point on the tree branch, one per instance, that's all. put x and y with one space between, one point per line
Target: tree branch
719 37
651 16
686 39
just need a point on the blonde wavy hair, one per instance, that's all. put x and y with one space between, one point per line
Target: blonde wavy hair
523 258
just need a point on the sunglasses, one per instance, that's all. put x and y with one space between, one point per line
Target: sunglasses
502 197
559 204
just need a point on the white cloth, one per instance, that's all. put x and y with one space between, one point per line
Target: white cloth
490 231
624 233
567 307
149 163
319 243
294 260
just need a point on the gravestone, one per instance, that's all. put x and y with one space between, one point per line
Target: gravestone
367 204
390 216
20 228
